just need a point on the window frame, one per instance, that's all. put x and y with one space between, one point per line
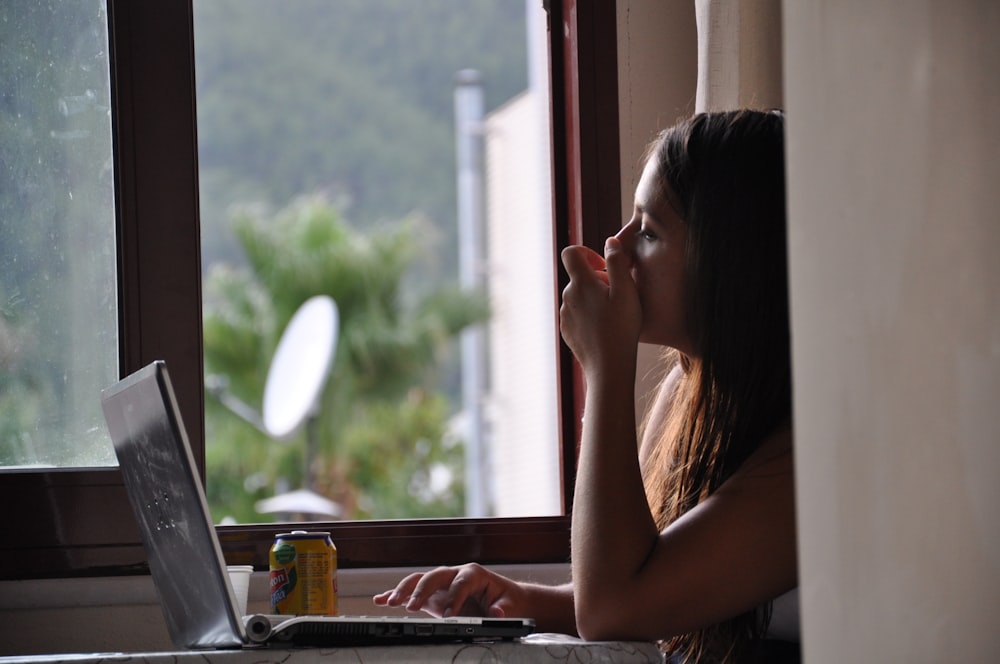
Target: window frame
72 522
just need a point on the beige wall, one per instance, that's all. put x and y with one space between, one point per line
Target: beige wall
894 204
739 54
658 64
894 193
657 73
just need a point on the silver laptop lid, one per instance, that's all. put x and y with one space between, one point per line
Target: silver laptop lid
186 561
158 468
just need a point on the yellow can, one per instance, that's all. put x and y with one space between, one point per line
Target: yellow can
303 574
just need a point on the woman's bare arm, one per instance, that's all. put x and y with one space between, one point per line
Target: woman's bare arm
731 553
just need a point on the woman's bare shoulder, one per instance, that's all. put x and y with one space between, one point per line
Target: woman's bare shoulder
659 410
732 552
773 455
763 487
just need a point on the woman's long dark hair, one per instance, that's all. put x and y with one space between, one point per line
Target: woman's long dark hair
724 175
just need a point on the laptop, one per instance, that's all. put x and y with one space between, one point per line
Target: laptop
185 559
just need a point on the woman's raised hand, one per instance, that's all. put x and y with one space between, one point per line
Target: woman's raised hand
600 316
466 590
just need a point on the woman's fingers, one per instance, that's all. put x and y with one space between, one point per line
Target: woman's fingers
600 314
588 282
618 265
594 259
468 590
582 262
585 268
445 591
454 600
400 594
428 587
476 591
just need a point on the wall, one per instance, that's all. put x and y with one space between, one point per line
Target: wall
80 615
893 147
739 54
657 74
894 230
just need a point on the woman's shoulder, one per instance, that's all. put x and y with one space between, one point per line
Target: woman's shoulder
767 475
774 453
659 410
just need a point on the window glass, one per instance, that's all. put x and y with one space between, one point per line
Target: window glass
58 303
394 156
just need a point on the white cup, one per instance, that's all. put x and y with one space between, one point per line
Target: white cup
239 578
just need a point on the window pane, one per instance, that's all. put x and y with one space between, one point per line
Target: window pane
331 162
58 302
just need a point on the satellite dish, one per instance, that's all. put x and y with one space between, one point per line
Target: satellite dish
300 366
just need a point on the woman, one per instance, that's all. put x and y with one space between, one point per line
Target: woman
688 537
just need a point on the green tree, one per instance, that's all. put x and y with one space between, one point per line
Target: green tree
383 450
56 225
353 97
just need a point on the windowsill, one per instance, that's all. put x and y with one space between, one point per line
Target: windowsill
356 587
119 618
122 614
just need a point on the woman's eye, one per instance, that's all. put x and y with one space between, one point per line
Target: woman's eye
646 234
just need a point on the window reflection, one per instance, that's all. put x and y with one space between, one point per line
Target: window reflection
58 303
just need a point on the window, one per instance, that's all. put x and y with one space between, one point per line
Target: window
57 235
342 120
78 522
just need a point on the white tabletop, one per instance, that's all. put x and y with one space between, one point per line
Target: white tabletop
536 648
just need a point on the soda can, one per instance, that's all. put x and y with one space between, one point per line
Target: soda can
303 576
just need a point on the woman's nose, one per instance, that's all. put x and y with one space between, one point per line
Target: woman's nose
627 236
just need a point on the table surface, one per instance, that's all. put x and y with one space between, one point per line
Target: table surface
536 648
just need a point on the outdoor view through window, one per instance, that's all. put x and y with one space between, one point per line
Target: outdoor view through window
58 305
375 189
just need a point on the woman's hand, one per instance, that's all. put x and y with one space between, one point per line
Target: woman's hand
467 590
600 316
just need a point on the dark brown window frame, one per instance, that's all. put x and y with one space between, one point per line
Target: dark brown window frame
71 523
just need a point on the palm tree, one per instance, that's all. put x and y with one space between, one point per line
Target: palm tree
382 426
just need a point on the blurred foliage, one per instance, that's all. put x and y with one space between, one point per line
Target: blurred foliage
23 397
57 233
353 98
351 102
383 450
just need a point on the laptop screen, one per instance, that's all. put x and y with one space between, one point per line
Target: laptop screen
185 559
166 495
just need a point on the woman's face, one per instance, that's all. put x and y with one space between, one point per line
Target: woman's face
654 239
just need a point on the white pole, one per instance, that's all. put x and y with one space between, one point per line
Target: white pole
469 142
